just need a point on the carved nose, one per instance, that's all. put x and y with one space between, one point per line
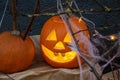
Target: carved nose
59 45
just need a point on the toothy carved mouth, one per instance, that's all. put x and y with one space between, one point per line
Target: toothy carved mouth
59 57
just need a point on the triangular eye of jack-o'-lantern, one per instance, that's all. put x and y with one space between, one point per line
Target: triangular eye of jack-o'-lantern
53 40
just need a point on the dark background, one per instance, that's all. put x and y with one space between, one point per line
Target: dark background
106 22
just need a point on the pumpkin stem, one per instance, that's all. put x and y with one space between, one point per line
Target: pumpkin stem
15 33
14 14
36 9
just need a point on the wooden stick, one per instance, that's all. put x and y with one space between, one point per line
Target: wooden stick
14 14
82 55
36 9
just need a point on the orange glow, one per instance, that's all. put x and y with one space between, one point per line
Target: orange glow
112 37
80 19
52 36
59 45
67 38
59 58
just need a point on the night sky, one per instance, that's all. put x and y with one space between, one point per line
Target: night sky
106 22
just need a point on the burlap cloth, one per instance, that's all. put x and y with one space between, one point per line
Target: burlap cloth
40 70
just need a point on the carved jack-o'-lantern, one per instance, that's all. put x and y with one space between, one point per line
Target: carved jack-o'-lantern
53 40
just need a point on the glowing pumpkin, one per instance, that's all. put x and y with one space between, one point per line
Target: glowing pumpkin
16 54
53 40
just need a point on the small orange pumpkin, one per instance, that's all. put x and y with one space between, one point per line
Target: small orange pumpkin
16 54
53 39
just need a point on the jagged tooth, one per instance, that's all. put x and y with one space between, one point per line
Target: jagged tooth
56 54
63 54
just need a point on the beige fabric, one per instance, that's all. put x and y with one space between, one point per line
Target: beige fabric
115 75
40 70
